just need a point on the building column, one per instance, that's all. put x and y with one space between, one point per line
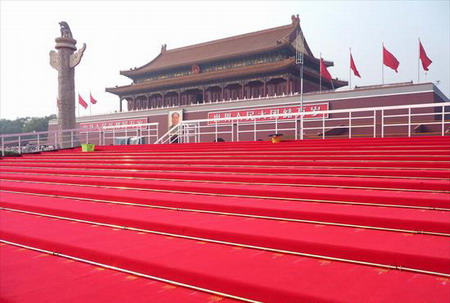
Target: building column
120 104
286 87
133 102
265 87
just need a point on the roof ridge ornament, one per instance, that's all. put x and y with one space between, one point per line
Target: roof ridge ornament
295 19
163 48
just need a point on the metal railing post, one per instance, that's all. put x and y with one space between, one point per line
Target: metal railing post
215 131
374 124
3 146
301 126
443 121
38 143
254 129
71 138
323 126
409 122
20 146
350 125
232 131
382 123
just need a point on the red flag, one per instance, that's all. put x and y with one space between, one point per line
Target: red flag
423 57
389 60
93 101
324 71
353 66
82 102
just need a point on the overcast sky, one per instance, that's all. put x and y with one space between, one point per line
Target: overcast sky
126 34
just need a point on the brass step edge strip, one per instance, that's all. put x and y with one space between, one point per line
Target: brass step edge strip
237 214
236 182
134 273
390 267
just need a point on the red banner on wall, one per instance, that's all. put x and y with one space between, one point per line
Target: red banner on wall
286 111
126 124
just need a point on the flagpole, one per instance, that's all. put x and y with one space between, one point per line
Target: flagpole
418 63
382 65
300 61
350 70
320 73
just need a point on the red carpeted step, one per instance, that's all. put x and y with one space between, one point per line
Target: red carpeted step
424 252
281 163
399 184
254 154
250 273
425 199
30 277
395 172
387 217
299 156
354 142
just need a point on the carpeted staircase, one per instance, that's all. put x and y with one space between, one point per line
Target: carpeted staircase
343 220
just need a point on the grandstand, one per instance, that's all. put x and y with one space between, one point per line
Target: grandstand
335 220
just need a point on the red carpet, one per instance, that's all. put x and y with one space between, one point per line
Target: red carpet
361 220
57 279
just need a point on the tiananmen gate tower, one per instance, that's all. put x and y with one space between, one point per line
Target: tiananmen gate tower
247 66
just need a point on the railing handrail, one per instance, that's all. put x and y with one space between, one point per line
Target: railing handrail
171 131
74 130
130 126
300 116
56 139
37 133
308 113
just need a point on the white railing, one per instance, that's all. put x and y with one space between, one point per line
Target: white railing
145 133
53 140
406 120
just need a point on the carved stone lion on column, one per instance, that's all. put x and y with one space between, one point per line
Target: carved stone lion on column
65 29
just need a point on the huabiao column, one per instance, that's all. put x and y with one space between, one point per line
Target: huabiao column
64 61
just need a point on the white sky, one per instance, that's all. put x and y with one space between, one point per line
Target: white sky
125 34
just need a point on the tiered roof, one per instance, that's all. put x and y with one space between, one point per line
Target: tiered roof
241 45
288 36
210 76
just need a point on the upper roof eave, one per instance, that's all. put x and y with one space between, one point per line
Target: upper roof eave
273 38
137 72
248 70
